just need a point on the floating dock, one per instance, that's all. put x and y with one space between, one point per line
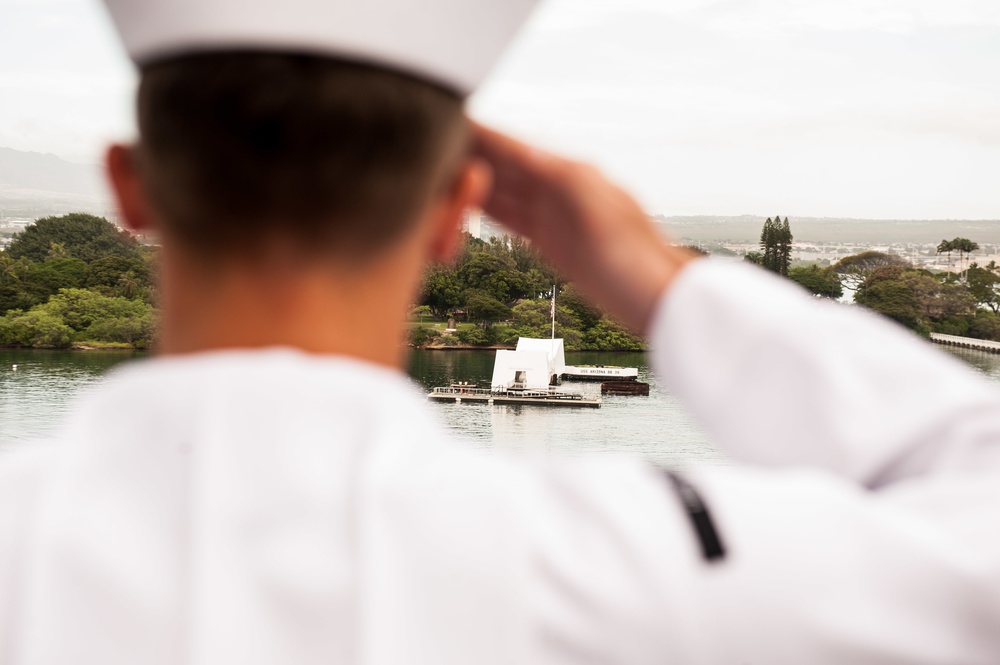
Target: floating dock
599 373
470 395
624 388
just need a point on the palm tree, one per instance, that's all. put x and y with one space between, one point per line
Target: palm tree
946 246
128 285
964 247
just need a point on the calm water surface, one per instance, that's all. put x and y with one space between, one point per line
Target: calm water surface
36 387
35 395
656 428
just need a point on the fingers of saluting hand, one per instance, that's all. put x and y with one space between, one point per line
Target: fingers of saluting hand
525 179
593 231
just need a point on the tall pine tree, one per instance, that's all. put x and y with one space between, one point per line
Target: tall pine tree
784 247
767 245
776 245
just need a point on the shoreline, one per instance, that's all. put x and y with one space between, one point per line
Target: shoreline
457 347
75 347
509 347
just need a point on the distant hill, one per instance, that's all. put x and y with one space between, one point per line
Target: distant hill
746 228
33 184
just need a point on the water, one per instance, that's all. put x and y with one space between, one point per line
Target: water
987 363
656 428
34 396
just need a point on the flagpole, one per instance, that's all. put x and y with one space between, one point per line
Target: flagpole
553 311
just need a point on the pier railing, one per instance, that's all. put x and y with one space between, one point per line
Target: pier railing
459 391
463 390
966 342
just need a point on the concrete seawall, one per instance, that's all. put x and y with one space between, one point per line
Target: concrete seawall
966 342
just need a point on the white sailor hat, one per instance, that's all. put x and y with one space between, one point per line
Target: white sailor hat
451 42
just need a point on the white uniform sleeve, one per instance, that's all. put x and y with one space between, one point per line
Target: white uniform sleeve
886 551
816 570
779 377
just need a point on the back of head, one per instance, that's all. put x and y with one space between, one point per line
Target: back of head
326 123
242 148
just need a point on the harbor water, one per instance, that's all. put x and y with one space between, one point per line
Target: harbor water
35 395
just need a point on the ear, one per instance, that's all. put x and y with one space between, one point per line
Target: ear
470 189
126 183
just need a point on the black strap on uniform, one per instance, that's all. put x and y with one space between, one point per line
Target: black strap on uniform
712 548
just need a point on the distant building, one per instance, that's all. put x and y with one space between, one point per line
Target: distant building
482 226
473 222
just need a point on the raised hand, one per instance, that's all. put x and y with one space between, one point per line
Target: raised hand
589 228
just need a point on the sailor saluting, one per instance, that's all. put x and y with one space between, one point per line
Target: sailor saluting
246 498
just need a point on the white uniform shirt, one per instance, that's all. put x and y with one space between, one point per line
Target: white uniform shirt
276 507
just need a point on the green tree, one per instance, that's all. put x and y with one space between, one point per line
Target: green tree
442 290
964 246
80 309
128 285
946 247
532 318
105 274
484 309
985 325
527 259
895 299
76 235
138 331
609 335
917 299
855 270
420 312
422 335
587 313
769 246
776 245
484 271
473 336
35 329
57 250
46 279
14 292
819 281
984 285
784 247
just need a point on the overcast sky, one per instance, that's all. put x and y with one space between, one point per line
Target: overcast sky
860 108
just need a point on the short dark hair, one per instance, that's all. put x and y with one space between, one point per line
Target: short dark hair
242 147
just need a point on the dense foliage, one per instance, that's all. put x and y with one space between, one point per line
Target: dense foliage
76 279
965 303
505 288
823 282
77 235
